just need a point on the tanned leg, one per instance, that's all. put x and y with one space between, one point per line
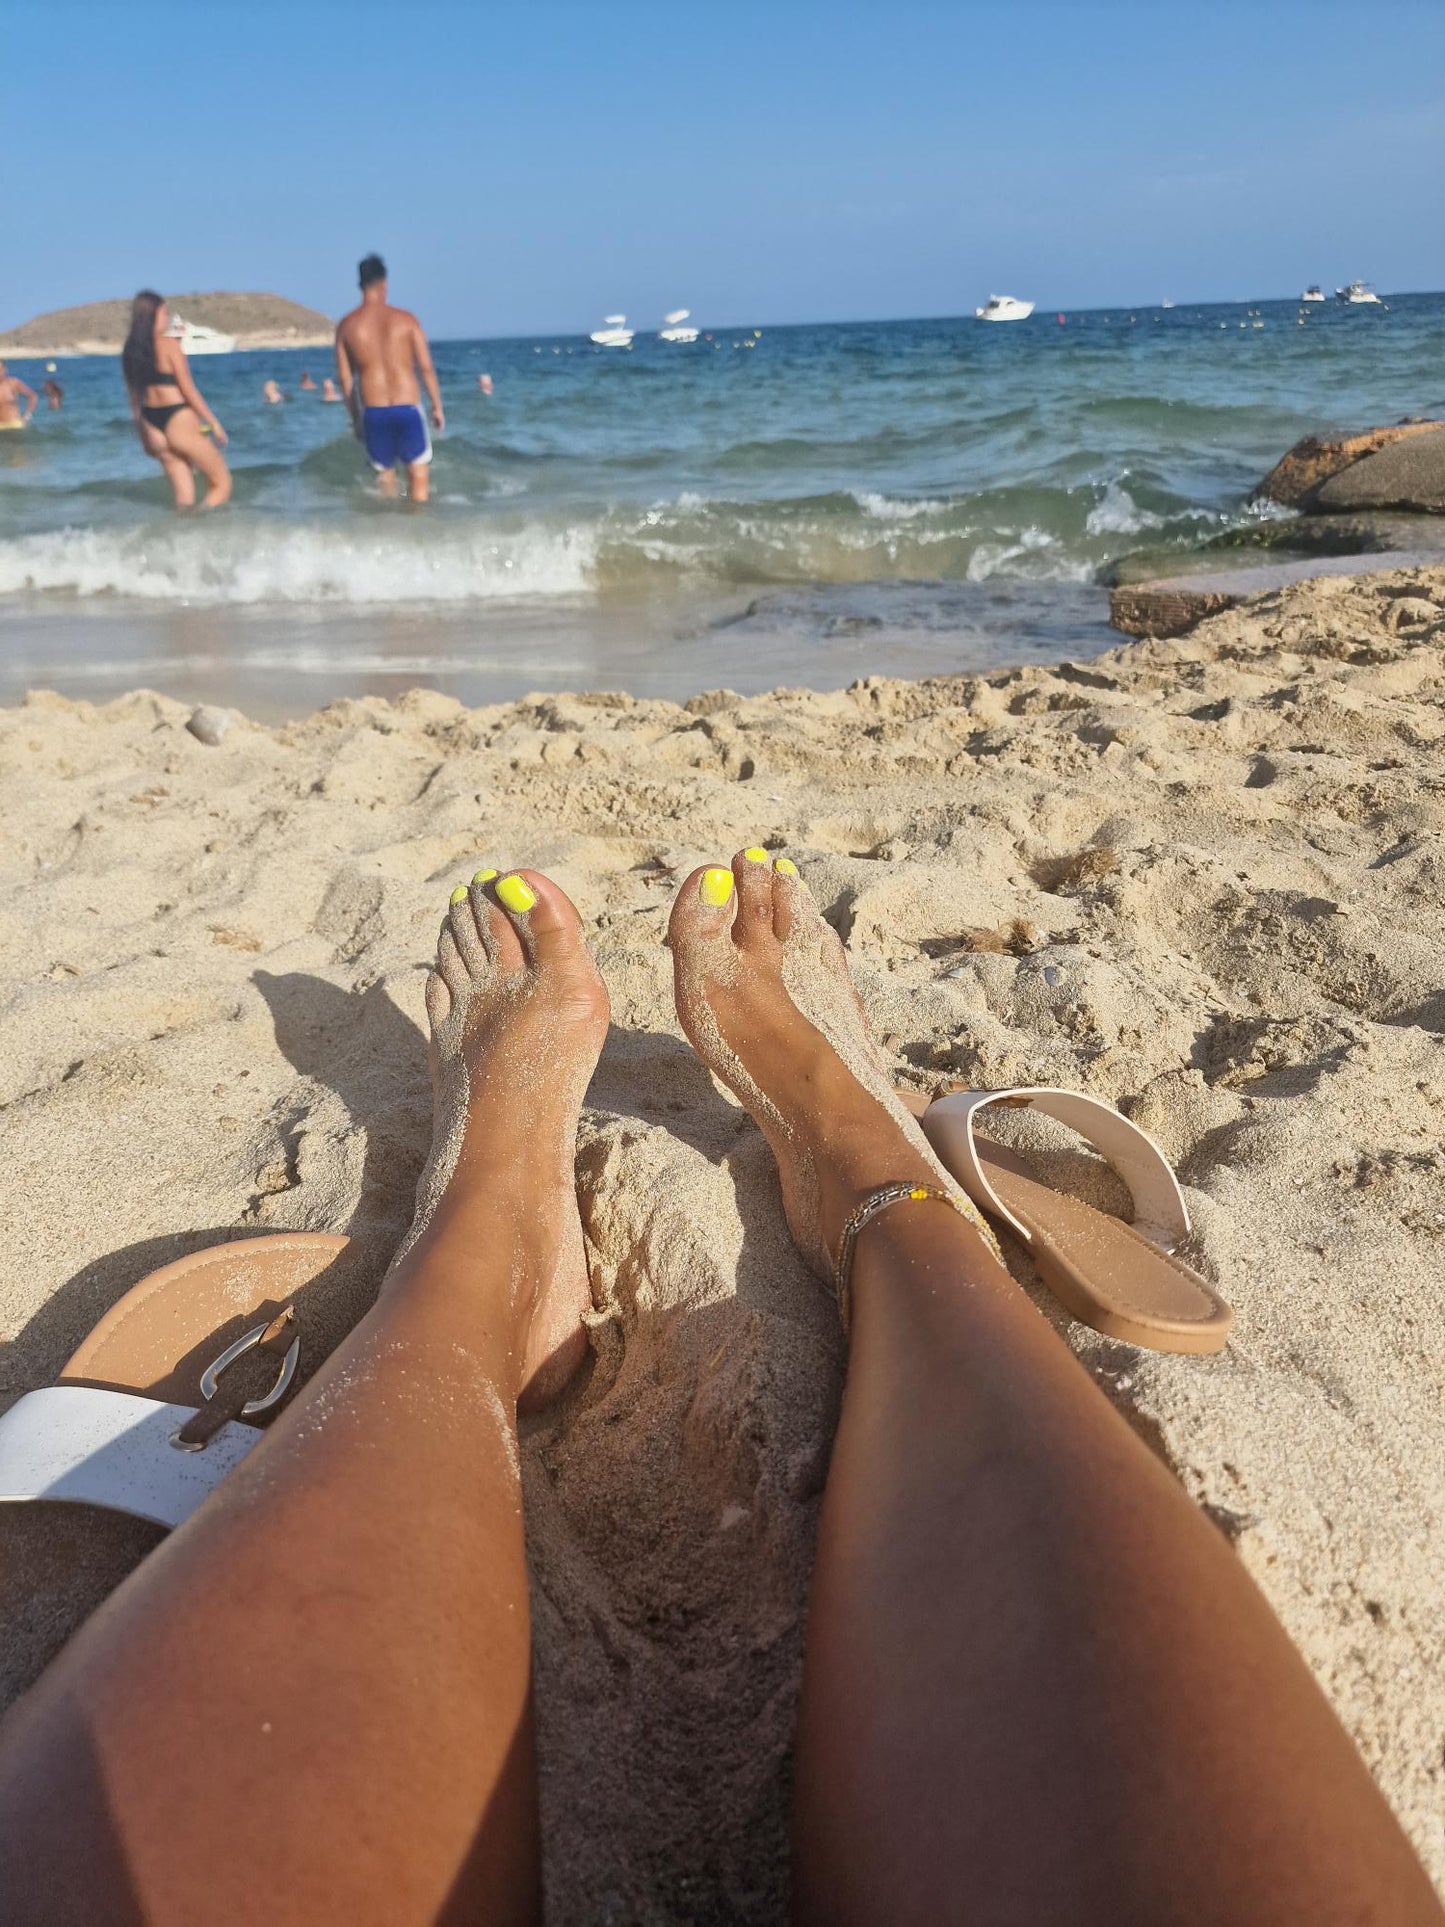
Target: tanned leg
418 481
184 437
312 1702
1038 1686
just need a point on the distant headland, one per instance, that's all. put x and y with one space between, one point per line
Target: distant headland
99 327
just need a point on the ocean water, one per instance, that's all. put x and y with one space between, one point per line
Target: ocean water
799 505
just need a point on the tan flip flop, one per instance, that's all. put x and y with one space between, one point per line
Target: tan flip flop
172 1388
1120 1278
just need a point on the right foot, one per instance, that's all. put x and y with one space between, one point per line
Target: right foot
518 1015
765 998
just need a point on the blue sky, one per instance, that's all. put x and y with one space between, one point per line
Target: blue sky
527 166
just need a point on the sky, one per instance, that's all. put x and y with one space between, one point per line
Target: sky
526 167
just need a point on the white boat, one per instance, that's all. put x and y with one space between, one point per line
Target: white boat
1166 302
672 328
1004 307
614 332
197 340
1314 292
1358 295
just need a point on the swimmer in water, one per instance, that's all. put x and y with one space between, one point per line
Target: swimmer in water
306 381
172 417
329 391
484 382
382 361
11 389
272 393
54 394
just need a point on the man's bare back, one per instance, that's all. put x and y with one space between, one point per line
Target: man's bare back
384 345
382 362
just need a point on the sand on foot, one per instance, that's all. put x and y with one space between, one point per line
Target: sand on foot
1200 878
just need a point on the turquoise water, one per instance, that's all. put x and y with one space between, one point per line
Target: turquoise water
804 505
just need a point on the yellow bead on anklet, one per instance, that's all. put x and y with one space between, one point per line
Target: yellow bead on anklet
873 1206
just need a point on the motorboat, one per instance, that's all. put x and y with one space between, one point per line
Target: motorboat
672 328
198 340
1004 307
614 332
1314 292
1358 295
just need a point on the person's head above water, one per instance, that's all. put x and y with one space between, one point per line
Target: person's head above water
149 317
372 274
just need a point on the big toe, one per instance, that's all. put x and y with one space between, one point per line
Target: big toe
702 913
547 922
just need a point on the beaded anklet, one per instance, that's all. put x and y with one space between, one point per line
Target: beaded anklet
873 1206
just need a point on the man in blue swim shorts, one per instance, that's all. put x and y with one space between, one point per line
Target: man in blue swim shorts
382 361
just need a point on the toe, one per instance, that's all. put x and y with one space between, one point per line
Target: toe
754 875
789 898
497 923
461 916
450 967
438 1000
703 909
543 916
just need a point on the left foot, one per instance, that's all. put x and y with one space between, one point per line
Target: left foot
765 998
518 1015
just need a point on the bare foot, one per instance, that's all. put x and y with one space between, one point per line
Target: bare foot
765 998
518 1014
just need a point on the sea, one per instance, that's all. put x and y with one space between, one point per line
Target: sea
766 506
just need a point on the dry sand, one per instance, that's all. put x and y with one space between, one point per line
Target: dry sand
1202 878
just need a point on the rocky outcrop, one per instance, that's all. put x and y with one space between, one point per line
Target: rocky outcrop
99 327
1405 474
1402 467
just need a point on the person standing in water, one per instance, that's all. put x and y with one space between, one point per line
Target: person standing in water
171 416
382 358
11 389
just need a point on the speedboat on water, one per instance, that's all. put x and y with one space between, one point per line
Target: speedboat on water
672 328
197 340
614 332
1358 295
1314 292
1004 307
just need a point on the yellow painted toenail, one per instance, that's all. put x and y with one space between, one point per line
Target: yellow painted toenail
516 894
756 854
786 867
459 895
716 887
484 876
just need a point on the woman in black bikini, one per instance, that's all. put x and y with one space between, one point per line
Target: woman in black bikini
169 408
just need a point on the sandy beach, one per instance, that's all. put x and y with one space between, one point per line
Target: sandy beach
1200 878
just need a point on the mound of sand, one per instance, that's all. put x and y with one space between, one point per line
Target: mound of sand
1202 878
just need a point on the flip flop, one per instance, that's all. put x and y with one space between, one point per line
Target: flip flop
163 1399
1120 1278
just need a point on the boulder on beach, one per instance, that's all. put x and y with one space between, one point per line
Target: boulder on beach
1402 467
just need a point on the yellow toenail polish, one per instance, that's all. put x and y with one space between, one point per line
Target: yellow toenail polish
756 854
516 894
459 895
484 876
785 866
716 887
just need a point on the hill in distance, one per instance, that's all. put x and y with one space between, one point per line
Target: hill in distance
99 327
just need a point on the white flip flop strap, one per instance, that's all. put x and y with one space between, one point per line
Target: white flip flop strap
1160 1213
97 1447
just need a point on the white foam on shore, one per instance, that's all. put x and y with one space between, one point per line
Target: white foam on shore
239 562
